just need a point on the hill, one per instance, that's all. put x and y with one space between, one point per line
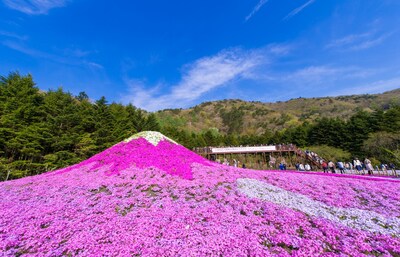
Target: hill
131 200
241 117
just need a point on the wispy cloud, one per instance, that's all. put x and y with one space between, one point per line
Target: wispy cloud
312 74
298 9
370 43
198 78
76 52
357 42
34 7
12 35
25 50
64 59
348 40
315 75
256 9
374 87
323 80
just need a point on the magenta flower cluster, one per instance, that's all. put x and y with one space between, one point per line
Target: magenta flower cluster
172 158
137 199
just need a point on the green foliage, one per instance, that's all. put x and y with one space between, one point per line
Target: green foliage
384 146
42 131
358 128
298 135
233 120
330 153
391 120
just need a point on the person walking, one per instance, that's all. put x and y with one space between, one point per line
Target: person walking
347 167
331 166
340 166
384 170
368 166
325 166
393 168
357 165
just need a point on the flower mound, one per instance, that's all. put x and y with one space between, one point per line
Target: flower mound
144 150
146 197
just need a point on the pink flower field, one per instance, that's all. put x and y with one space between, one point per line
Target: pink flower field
148 196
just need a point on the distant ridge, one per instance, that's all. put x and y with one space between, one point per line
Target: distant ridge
253 117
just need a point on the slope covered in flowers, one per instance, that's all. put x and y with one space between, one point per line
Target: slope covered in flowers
143 150
156 198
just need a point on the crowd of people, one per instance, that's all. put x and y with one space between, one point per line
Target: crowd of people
313 162
353 167
359 167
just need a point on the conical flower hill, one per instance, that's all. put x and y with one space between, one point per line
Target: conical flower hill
144 150
148 196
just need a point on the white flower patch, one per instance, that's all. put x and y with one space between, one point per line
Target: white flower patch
152 137
350 217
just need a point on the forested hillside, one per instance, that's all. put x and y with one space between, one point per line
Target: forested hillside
241 117
42 131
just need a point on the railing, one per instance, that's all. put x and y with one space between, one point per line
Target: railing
246 149
308 156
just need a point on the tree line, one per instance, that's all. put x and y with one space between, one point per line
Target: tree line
375 135
42 131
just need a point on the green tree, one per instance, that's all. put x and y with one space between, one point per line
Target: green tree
330 153
233 120
383 146
328 131
103 125
357 131
22 127
391 120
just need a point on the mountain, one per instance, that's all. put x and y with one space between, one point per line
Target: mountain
241 117
148 196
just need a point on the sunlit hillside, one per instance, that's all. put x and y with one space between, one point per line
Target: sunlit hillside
241 117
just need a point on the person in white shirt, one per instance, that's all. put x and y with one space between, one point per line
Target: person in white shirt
331 166
358 166
369 166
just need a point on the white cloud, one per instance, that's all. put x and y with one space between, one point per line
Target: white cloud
64 59
347 40
198 78
298 9
374 87
280 49
327 80
313 73
23 49
369 43
34 7
256 9
358 42
12 35
319 75
76 52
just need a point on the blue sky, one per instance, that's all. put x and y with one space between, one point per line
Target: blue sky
176 54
